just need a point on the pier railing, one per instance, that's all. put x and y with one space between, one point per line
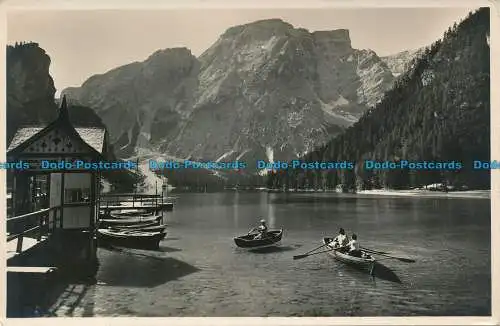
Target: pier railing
37 224
137 200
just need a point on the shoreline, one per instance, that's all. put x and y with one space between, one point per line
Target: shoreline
473 194
478 194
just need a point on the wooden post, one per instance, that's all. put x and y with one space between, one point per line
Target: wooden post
47 190
34 198
19 246
92 249
62 201
98 194
40 227
21 192
13 196
162 192
93 203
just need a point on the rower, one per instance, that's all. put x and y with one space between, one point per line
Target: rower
354 248
262 229
341 240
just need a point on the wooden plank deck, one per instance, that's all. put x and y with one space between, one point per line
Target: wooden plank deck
30 269
28 243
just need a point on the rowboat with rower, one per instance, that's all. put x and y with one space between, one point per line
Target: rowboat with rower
350 252
263 238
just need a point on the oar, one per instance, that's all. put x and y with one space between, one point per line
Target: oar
405 260
375 251
315 253
325 244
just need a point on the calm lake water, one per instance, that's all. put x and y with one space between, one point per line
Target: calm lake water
200 272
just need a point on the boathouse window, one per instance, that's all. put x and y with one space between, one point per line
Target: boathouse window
78 195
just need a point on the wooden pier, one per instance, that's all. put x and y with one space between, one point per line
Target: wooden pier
53 215
26 231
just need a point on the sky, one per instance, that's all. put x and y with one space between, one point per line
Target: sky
85 43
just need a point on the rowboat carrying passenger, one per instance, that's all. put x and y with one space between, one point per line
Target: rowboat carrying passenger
366 261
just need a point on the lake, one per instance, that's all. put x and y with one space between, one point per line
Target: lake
200 272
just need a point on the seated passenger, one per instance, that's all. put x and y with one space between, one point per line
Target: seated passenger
354 248
341 240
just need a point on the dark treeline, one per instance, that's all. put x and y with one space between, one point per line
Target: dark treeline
211 180
21 45
438 111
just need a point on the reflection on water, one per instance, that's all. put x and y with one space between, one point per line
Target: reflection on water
449 239
271 216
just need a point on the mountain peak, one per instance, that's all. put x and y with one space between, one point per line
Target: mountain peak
274 25
170 52
270 23
337 35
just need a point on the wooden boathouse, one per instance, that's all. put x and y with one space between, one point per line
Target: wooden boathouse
55 211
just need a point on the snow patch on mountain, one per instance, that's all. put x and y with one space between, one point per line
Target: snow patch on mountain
223 156
242 154
340 101
270 154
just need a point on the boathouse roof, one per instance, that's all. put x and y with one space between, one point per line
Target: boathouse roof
93 136
59 137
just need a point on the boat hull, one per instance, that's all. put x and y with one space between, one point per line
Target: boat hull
365 263
129 215
136 226
131 239
146 228
103 223
247 241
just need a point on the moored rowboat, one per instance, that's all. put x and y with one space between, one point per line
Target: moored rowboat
129 221
247 241
145 228
135 226
129 215
364 262
131 238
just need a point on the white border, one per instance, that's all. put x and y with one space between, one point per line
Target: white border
234 321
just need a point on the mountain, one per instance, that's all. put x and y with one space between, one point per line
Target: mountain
142 102
439 111
401 62
30 98
264 90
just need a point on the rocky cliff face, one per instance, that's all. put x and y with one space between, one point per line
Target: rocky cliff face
30 91
400 62
30 98
263 90
30 88
144 103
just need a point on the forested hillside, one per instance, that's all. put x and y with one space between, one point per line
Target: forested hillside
437 111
